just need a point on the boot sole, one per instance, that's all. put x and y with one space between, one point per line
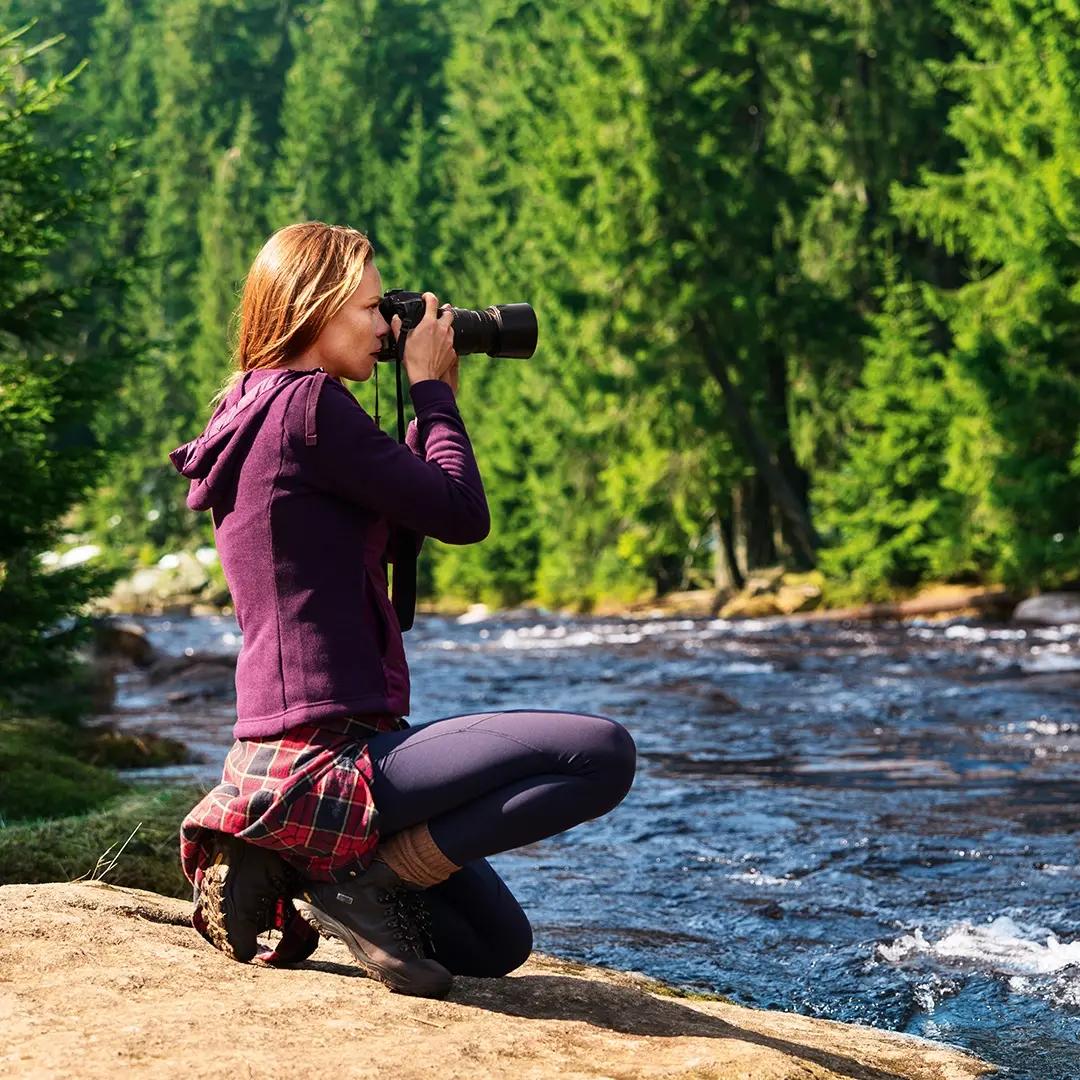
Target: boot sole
330 927
212 903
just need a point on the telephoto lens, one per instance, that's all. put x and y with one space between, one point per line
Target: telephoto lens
504 330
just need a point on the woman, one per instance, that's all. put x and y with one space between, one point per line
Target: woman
332 813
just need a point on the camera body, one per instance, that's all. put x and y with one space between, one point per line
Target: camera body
504 330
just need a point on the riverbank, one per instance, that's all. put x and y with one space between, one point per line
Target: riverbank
192 584
777 596
140 993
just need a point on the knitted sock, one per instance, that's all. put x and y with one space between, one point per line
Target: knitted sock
415 858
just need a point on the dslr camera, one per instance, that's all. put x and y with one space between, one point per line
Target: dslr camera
505 330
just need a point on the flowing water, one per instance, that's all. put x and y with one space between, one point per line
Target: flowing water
868 824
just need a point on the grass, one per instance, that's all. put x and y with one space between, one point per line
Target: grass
67 848
65 814
663 989
49 768
42 774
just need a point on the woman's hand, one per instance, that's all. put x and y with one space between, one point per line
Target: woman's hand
429 349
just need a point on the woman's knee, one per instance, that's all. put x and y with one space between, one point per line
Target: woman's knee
499 953
612 758
513 950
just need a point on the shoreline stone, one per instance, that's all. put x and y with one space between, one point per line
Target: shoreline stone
1049 609
97 981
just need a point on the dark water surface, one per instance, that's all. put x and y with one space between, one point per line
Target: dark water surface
869 824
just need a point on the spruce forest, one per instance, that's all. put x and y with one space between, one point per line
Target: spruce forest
807 273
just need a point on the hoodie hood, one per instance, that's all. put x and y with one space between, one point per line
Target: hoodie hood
211 461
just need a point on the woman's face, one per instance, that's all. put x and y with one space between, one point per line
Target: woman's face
350 341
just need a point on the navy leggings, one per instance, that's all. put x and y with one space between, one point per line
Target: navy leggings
486 783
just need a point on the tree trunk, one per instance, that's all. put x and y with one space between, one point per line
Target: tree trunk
757 524
787 501
726 572
794 474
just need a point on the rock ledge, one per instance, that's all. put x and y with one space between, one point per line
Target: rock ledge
101 982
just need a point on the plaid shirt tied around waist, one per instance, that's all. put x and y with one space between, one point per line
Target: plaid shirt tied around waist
305 794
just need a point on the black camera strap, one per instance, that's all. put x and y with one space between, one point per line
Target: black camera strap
405 540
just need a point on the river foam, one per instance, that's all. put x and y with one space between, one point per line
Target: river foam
1000 947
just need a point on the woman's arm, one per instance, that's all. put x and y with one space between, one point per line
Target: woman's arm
438 494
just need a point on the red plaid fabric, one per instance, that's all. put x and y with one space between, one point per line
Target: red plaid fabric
305 794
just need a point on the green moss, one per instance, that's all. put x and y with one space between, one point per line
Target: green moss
131 750
666 990
70 847
51 769
62 808
41 775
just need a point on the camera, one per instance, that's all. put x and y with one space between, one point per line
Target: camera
504 330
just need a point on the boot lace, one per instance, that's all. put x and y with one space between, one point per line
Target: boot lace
408 918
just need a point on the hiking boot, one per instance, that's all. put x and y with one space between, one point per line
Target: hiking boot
238 894
382 923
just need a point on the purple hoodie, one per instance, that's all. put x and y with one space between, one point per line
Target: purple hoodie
305 491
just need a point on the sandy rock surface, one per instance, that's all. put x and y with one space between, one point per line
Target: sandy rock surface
113 983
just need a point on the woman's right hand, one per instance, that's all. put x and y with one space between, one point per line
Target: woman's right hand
429 349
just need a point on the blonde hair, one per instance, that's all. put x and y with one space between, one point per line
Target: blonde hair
296 285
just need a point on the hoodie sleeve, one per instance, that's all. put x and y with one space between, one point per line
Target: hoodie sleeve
432 487
412 439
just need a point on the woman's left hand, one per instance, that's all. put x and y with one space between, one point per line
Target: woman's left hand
450 376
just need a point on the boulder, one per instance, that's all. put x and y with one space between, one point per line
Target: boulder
771 593
98 982
114 647
122 643
719 703
201 675
791 599
788 601
764 581
174 586
747 606
1049 609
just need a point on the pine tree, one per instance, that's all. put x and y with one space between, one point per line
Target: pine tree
232 228
605 178
215 68
895 520
60 362
867 110
69 23
1012 211
360 108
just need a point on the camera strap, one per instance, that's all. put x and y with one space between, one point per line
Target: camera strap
405 545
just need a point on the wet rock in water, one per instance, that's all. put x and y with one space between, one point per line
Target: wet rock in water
476 613
714 701
720 703
201 675
122 643
106 745
102 684
1049 609
115 646
771 910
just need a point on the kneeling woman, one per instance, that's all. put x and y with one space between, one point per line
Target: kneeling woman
332 814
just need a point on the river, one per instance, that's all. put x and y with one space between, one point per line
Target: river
874 824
